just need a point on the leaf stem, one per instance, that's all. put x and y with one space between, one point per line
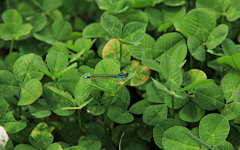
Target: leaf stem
105 114
79 121
16 4
7 3
111 97
50 15
120 142
190 4
11 46
173 113
55 83
222 22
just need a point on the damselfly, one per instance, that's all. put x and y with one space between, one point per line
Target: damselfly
120 75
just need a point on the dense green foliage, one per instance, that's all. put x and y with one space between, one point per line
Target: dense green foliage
182 91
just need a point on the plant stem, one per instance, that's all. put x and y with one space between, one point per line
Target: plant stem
11 46
222 20
16 4
52 115
120 142
79 121
192 3
173 113
7 3
56 83
109 104
50 15
105 123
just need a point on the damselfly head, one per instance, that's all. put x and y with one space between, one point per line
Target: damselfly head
85 77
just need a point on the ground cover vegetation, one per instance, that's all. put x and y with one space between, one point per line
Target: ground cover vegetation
119 74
